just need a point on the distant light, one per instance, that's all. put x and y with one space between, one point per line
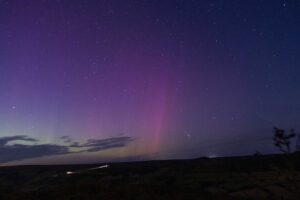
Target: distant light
103 166
212 156
90 169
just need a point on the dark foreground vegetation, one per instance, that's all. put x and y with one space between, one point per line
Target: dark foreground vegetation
253 177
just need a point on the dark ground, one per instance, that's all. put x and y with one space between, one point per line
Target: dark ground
253 177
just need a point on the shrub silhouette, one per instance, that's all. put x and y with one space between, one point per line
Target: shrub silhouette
282 140
298 144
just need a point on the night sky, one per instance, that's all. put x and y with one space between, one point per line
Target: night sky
90 81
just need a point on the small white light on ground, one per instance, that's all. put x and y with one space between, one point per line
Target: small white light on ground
212 156
90 169
103 166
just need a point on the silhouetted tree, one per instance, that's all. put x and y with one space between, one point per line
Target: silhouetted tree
298 143
282 140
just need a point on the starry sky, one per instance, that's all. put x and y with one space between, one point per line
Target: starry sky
90 81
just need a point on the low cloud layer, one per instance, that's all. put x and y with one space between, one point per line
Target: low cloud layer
5 140
13 152
103 144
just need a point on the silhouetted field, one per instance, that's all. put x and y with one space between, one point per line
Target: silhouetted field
253 177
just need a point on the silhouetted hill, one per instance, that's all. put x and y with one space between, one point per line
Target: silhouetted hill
248 177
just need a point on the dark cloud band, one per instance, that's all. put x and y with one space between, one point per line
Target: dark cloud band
13 152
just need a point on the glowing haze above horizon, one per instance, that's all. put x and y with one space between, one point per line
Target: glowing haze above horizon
108 80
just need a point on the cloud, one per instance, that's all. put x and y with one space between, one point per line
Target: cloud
13 152
66 139
5 140
93 145
98 145
20 151
75 144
